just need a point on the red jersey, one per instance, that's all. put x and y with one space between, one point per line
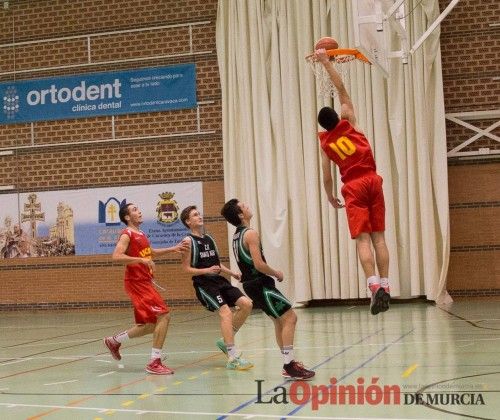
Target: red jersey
349 149
138 246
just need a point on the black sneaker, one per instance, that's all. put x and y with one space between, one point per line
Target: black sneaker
380 301
296 371
385 301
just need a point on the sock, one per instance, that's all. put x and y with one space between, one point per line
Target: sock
287 352
384 282
373 283
155 353
232 351
121 337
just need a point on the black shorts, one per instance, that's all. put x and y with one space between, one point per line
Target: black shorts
266 297
215 291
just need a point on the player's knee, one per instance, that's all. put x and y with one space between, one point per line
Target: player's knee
290 317
244 304
163 317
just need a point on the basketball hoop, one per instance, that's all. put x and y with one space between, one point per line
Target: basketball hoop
342 59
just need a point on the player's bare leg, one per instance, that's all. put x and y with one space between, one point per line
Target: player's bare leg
382 258
285 332
239 317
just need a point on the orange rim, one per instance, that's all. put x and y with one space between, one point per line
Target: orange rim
352 52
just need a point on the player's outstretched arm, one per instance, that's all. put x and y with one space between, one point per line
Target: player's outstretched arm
179 248
346 106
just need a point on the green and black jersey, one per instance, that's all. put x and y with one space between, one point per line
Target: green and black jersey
243 257
204 252
258 286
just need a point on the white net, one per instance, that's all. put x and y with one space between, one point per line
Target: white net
342 64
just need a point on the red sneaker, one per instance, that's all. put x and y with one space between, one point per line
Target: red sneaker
156 367
296 371
113 347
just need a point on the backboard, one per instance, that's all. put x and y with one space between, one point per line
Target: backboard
373 28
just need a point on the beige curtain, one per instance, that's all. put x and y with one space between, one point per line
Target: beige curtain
271 154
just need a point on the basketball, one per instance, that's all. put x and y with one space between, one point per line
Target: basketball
327 43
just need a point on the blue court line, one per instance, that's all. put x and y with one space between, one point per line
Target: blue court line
240 407
300 407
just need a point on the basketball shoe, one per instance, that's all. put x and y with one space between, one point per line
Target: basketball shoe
239 364
156 367
379 301
113 347
296 371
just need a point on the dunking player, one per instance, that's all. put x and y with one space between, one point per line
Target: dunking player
346 145
213 290
260 287
151 313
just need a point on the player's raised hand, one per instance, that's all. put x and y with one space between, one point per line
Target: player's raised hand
321 56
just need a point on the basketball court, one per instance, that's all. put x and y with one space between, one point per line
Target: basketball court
49 371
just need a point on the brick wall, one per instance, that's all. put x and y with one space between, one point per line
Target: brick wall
471 60
65 157
70 154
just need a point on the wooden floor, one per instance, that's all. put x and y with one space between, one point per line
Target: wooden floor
53 365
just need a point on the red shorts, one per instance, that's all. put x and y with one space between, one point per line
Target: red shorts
365 206
147 302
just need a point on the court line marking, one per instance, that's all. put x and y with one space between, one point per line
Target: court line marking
106 374
301 406
433 407
192 413
16 361
409 371
71 404
63 382
262 349
251 401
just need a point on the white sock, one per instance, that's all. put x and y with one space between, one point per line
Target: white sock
121 337
155 354
372 280
384 282
232 351
287 352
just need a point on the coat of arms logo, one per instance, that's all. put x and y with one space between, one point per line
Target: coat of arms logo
167 210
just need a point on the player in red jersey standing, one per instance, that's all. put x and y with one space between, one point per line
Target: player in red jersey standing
151 313
346 145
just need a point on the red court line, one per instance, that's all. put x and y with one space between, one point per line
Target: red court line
62 363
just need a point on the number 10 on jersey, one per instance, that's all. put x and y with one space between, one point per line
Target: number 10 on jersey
343 147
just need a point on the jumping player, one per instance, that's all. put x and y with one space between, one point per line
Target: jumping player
151 313
345 144
260 287
214 291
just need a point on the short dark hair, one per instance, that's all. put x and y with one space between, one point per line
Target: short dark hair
231 212
328 118
185 214
124 212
